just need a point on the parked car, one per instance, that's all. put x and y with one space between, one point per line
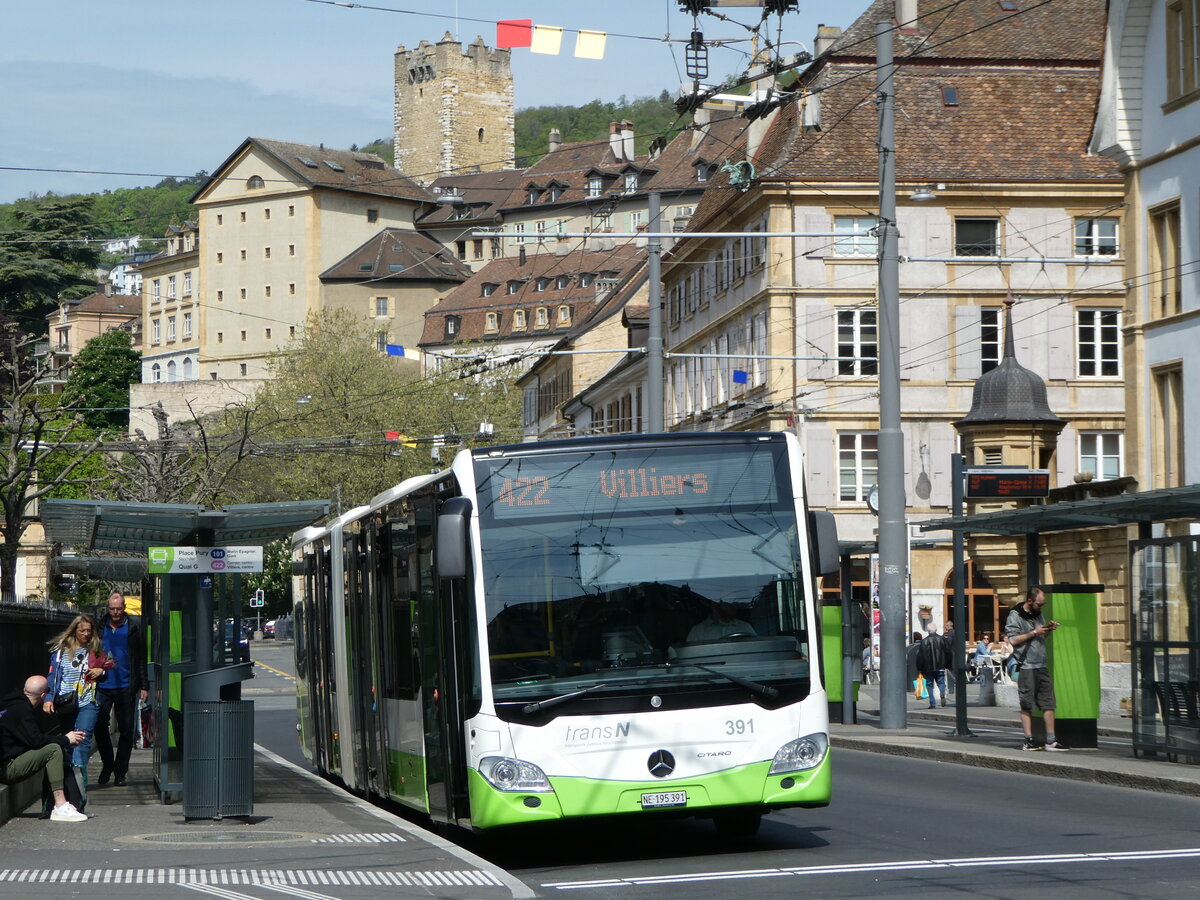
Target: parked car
269 629
237 649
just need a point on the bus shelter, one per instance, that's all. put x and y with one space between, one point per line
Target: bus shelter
1163 603
192 619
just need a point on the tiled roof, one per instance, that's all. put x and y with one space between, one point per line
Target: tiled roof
398 255
482 192
471 306
980 30
102 304
346 170
1010 125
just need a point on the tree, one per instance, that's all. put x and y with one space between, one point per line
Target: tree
341 421
32 433
47 256
100 377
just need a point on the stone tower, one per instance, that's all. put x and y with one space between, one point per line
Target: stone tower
454 109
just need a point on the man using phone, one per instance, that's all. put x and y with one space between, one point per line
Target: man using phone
1026 630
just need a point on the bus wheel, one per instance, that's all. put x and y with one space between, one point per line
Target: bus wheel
738 823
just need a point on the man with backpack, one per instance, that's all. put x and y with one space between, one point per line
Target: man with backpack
933 656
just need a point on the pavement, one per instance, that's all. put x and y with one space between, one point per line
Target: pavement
995 741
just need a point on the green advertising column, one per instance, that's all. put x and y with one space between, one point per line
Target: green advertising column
831 660
1074 659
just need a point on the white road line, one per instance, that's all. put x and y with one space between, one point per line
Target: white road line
217 892
518 888
298 892
900 866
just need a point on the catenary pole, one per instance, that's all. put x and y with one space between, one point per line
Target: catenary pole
893 689
654 338
959 649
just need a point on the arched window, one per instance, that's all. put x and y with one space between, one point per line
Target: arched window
171 371
564 315
983 606
187 368
156 373
254 183
479 135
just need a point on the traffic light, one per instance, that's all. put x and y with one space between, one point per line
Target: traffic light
258 598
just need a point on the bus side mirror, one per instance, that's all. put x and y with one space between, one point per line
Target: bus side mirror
454 523
823 540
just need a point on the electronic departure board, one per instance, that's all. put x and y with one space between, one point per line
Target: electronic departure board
643 480
1007 483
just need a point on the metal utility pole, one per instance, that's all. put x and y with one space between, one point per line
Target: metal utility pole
654 339
960 606
893 541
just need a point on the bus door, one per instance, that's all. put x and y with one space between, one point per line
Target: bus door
361 649
321 683
445 773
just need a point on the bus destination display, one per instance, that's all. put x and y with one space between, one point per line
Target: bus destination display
618 482
1011 483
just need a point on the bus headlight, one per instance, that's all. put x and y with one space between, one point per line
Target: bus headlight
800 754
507 774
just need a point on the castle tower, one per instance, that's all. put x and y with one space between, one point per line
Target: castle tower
454 109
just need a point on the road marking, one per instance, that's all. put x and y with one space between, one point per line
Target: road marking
214 881
276 671
381 837
517 887
901 866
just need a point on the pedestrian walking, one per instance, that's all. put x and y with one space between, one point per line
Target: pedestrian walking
124 642
933 656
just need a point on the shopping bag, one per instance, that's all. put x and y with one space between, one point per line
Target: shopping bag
919 690
144 724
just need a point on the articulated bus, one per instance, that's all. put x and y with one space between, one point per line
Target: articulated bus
559 630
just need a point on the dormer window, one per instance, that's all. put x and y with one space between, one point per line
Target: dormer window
541 317
702 172
541 284
564 315
488 289
452 324
631 182
586 279
514 287
492 322
534 195
555 192
595 186
562 282
519 319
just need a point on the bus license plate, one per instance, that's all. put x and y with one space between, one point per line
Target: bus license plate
666 798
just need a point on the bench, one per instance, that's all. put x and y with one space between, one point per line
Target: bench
1179 706
16 798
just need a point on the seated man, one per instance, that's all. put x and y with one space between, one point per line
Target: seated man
722 622
27 747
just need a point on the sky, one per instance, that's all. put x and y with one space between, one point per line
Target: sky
158 87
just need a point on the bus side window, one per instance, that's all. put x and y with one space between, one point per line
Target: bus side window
402 664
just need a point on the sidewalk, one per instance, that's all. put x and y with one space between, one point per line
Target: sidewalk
995 743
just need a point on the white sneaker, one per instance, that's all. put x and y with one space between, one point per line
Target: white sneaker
67 813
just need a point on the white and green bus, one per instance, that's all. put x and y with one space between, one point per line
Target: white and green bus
589 627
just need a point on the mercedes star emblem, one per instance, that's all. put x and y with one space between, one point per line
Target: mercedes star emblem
661 763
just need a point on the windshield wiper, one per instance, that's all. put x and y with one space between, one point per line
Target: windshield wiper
754 687
530 708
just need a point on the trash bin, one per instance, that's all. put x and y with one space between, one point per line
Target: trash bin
218 758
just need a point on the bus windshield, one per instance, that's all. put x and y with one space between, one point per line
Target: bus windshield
607 572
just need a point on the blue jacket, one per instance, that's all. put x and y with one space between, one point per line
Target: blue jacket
137 651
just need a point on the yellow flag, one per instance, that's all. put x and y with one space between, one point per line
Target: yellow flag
590 44
546 39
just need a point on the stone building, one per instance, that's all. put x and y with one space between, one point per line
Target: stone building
454 109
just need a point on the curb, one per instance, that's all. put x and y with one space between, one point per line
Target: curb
1021 764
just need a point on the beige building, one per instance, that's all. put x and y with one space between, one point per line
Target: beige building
276 215
76 322
171 309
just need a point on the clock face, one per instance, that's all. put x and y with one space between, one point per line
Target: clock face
873 498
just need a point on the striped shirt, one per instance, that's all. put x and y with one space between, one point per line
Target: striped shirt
73 664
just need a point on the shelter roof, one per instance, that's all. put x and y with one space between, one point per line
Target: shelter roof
1096 512
129 527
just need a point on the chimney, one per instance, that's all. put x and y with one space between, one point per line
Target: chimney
614 140
521 256
555 139
627 139
700 120
906 14
826 36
